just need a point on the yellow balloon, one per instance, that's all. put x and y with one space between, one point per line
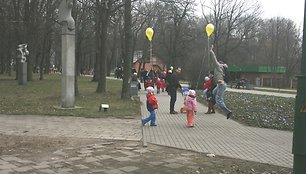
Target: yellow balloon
209 29
149 33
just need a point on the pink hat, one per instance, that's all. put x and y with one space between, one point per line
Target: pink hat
150 89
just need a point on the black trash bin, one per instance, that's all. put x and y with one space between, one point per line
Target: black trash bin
134 88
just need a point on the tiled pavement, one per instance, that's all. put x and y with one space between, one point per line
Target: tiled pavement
53 126
212 133
215 134
106 157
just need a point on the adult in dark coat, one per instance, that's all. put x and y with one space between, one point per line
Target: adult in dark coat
173 85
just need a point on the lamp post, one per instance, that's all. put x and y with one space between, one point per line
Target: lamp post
299 132
209 30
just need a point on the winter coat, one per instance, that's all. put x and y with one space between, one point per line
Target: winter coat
207 84
191 103
219 68
158 83
173 83
151 102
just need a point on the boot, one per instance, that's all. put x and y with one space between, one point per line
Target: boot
209 108
212 109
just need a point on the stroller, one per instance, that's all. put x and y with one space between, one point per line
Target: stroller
185 92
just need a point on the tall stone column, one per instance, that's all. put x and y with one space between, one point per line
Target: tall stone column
68 54
22 73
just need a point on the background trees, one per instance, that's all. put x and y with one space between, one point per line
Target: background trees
103 38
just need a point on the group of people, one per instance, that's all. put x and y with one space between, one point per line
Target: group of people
154 79
214 88
171 84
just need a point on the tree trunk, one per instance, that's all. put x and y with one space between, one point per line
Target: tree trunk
30 67
103 59
128 50
114 55
2 63
8 54
41 66
96 75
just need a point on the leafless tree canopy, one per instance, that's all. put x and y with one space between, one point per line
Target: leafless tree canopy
106 37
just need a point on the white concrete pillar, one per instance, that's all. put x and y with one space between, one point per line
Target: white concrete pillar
68 53
68 70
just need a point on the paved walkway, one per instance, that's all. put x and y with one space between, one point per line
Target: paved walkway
54 126
215 134
272 92
211 134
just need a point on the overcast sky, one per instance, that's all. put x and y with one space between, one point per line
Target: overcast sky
293 9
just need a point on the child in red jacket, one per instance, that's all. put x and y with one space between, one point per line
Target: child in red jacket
162 85
158 84
152 107
208 91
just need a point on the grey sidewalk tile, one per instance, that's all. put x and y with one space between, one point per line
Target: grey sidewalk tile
104 157
174 165
6 171
122 159
90 159
23 169
129 169
41 166
10 158
114 171
74 159
215 134
46 171
81 166
156 163
7 166
65 170
128 153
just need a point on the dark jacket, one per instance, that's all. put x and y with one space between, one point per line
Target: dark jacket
174 83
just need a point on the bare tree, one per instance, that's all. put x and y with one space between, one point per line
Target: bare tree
106 9
178 13
6 37
128 49
280 45
47 40
233 21
145 14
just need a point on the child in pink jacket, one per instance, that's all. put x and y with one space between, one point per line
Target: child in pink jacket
191 104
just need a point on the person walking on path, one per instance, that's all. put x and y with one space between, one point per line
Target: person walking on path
191 105
218 92
174 84
152 107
